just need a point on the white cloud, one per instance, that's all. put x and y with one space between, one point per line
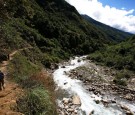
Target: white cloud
119 18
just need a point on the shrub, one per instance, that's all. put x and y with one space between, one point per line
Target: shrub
122 77
120 82
96 56
123 74
36 102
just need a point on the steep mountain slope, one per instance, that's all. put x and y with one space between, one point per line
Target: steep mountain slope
120 56
112 33
55 27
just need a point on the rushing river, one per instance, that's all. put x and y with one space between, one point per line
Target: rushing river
73 86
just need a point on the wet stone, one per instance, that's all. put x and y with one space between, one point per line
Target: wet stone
70 110
63 66
76 100
65 100
97 101
92 112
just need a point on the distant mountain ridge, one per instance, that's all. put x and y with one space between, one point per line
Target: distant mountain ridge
112 33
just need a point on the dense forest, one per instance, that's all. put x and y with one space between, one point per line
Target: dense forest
54 27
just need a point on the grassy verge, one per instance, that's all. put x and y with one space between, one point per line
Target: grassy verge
39 96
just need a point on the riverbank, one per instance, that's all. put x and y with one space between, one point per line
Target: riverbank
93 89
99 79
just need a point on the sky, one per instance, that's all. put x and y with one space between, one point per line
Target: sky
116 13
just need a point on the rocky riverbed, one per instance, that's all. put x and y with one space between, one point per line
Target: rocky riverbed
100 80
90 90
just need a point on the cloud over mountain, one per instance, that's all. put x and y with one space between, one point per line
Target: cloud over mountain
119 18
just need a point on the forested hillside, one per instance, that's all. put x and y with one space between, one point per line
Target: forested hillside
112 33
55 28
120 56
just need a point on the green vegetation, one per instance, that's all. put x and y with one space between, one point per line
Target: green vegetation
120 57
36 102
111 33
21 69
39 87
122 77
55 27
50 31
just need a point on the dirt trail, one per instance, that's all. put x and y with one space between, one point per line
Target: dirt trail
12 91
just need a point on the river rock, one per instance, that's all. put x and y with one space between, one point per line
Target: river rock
128 97
76 100
97 101
105 102
63 66
113 101
78 60
65 72
127 110
66 107
92 112
129 113
75 111
124 107
65 83
66 100
70 110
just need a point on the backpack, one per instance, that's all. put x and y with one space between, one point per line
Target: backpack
1 76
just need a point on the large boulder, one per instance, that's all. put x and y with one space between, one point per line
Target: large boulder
76 100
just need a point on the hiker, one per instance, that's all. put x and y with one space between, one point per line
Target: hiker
1 80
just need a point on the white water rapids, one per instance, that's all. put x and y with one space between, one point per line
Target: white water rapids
74 86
